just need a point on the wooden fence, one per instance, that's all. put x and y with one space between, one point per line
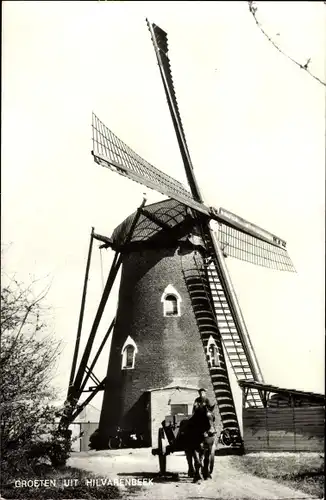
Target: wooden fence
284 429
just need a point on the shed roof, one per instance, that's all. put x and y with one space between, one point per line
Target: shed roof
176 387
280 390
89 414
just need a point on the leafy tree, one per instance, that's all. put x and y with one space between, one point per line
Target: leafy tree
28 356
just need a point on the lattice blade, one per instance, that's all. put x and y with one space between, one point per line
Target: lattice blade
243 246
237 222
109 151
160 42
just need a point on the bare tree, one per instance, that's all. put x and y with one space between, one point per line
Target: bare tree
253 8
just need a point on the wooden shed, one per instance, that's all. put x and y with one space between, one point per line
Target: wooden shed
290 420
169 400
83 427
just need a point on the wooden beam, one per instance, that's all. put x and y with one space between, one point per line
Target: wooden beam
107 289
74 390
280 390
155 219
81 315
97 355
107 241
80 407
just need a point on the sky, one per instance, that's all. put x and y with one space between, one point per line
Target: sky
255 127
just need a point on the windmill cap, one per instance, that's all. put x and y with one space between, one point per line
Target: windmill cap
157 220
202 389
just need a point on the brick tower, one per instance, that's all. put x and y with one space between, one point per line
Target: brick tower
158 340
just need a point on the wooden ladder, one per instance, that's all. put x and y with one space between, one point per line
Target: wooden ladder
239 359
237 344
199 292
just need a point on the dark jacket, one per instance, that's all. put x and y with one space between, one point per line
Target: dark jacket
201 402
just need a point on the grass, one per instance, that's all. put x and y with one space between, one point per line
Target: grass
59 491
300 471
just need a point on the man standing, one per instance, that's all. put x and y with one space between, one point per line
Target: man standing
201 400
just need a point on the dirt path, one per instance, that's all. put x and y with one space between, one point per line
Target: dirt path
228 483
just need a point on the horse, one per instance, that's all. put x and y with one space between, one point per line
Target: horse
197 438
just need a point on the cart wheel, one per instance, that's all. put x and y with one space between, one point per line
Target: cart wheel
162 450
225 437
114 443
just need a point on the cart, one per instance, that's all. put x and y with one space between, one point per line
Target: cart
169 442
168 439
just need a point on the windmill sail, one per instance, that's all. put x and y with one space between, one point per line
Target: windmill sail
109 151
239 238
160 42
244 246
244 240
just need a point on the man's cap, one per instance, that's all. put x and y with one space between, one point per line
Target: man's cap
202 389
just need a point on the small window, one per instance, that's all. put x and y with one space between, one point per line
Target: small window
128 353
212 353
171 305
171 301
179 410
129 356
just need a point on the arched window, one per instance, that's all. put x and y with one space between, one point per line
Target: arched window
171 305
128 352
212 353
171 301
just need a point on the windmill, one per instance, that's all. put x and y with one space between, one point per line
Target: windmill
174 237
